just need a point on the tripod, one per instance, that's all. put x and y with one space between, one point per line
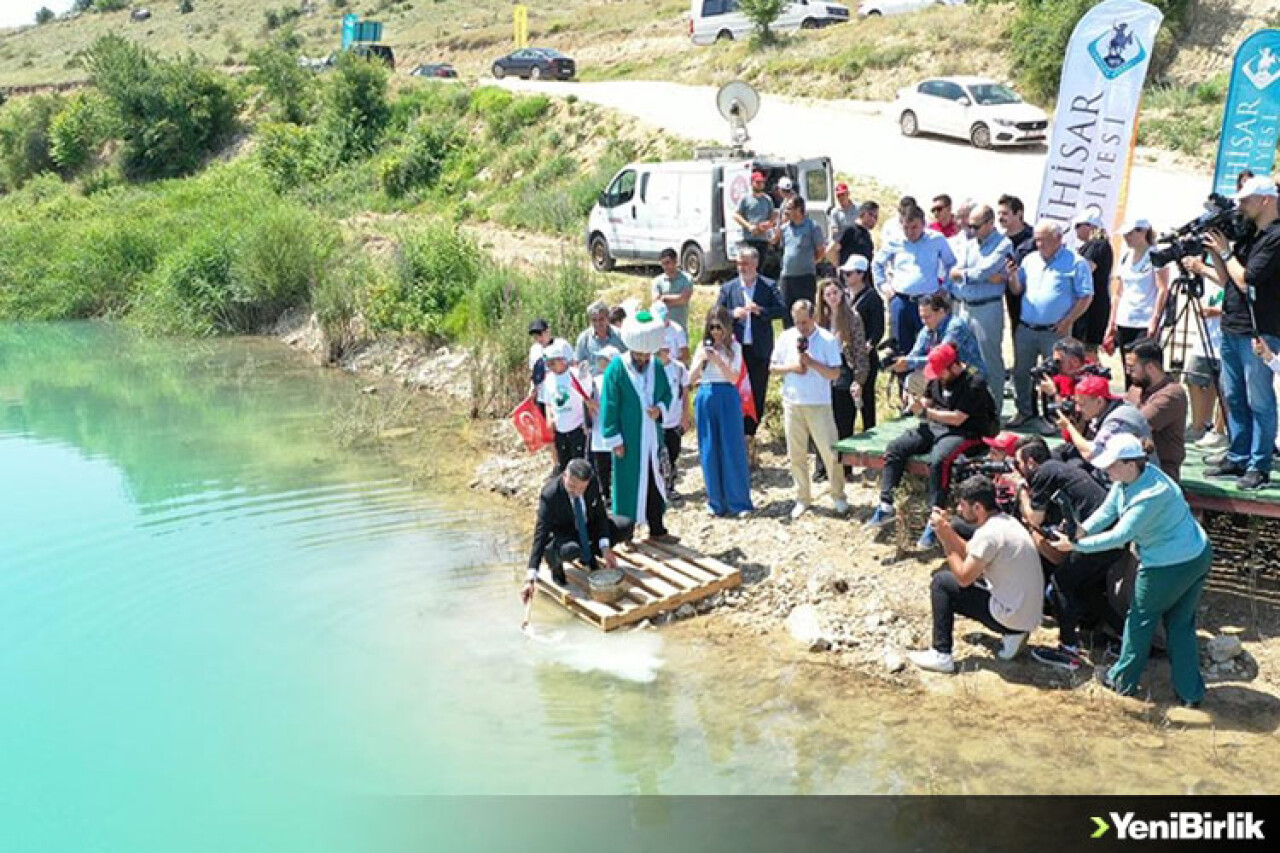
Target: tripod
1182 312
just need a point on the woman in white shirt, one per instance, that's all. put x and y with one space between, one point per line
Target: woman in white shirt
722 443
1138 291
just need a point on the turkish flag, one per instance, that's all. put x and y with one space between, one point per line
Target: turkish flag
532 426
744 394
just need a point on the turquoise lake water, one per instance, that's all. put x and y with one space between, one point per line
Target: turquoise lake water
224 628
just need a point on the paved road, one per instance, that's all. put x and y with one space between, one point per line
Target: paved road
862 138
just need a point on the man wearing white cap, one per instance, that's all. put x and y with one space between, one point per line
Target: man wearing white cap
977 285
1250 308
633 402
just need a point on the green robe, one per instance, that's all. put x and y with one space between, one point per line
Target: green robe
623 421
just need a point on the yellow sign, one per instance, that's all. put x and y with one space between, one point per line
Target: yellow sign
520 22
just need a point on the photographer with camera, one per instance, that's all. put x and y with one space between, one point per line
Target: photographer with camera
1144 507
1096 417
1056 380
1052 495
956 413
1250 276
1162 401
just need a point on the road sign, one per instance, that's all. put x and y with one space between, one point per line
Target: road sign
520 24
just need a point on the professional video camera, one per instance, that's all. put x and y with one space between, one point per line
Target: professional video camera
1065 406
889 354
1070 523
1220 214
1045 369
1006 494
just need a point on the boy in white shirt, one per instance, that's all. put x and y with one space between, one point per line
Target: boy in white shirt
564 396
675 418
601 453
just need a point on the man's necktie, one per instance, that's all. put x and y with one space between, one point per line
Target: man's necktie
580 520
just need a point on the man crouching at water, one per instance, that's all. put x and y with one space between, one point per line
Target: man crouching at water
574 525
1002 555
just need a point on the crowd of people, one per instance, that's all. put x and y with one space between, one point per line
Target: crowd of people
1038 527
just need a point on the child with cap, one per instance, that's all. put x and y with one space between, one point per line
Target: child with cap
564 397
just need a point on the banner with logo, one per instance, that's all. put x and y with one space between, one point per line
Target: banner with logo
1094 127
1251 120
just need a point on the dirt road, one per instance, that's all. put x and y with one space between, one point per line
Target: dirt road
862 138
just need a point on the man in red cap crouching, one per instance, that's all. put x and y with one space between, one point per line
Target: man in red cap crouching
1101 415
956 413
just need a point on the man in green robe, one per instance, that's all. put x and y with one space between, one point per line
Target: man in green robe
633 400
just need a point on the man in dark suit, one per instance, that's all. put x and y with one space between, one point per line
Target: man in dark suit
753 302
572 522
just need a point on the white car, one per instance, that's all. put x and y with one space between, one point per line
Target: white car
982 111
720 20
871 8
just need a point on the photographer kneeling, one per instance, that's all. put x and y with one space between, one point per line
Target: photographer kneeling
1056 379
1051 495
1097 416
956 413
1146 508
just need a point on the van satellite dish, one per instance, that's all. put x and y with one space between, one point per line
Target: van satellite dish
738 102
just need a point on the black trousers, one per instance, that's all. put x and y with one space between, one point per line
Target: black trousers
603 463
655 507
757 361
869 397
942 451
563 549
794 288
570 446
671 437
949 600
845 412
1080 590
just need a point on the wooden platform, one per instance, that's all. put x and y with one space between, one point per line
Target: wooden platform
866 450
661 576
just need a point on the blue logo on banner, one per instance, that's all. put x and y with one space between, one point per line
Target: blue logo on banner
1251 118
1117 52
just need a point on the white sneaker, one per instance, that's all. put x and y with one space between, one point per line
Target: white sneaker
1193 434
798 510
1212 441
933 660
1011 645
841 506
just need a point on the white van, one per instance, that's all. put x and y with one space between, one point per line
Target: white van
717 20
689 206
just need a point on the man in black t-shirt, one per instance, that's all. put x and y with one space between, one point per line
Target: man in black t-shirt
956 413
856 239
1009 213
1078 582
1250 308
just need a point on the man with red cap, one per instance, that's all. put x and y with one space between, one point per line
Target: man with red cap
756 215
1102 415
956 413
843 214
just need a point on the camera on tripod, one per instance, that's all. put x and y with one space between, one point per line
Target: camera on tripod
1221 214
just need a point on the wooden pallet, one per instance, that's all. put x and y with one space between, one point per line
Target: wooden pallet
661 577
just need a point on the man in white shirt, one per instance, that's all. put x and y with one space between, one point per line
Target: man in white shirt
808 359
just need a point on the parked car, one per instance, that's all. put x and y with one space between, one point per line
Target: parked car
535 63
381 52
872 8
438 70
719 20
982 111
689 205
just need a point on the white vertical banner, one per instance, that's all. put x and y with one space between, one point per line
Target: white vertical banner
1102 76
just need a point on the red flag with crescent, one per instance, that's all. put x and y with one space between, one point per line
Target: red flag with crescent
744 394
532 426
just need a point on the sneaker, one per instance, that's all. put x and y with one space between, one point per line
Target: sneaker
933 660
798 510
1063 657
1017 421
711 512
1193 434
1213 441
745 514
841 506
820 476
1252 481
1011 645
928 539
1225 469
884 514
1215 459
1043 427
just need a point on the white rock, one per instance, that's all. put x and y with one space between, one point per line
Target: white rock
1223 649
803 624
893 661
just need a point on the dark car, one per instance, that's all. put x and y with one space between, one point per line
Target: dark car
535 63
441 70
380 52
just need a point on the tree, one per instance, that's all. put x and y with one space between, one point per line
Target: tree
289 87
761 14
44 16
356 110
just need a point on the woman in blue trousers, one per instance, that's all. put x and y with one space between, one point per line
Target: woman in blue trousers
722 445
1147 508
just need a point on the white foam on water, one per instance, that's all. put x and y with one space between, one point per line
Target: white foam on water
629 656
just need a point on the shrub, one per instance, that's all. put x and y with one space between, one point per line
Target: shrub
356 111
436 266
110 5
44 15
291 155
78 132
288 87
419 162
25 147
762 14
172 114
